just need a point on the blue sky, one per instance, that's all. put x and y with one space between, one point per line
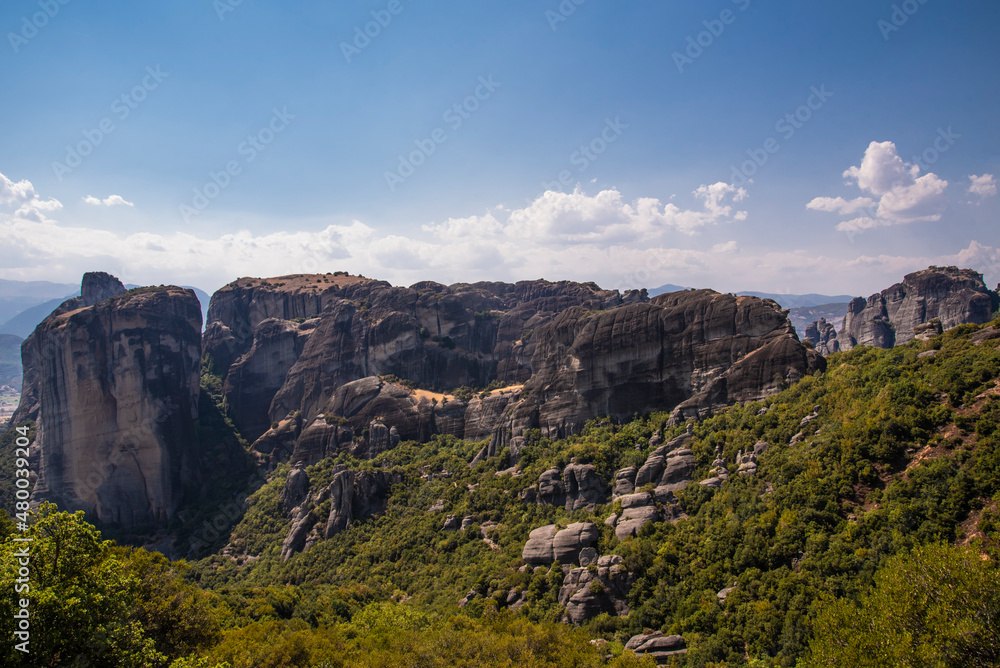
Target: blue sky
235 138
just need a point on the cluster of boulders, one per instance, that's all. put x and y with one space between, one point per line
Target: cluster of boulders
596 584
718 473
576 486
667 469
599 585
354 496
805 422
549 544
747 461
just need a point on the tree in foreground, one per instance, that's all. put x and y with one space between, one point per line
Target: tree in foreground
939 606
93 603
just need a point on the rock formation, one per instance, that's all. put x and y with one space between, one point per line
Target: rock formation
112 378
354 496
575 487
823 336
691 351
547 544
589 591
657 645
324 353
892 317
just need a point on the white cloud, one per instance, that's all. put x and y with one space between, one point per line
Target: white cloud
983 186
840 205
727 247
25 200
904 196
574 236
113 200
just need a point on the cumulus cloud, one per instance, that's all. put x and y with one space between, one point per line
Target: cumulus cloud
27 205
113 200
901 194
983 186
604 238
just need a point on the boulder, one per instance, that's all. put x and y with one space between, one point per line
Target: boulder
538 550
567 544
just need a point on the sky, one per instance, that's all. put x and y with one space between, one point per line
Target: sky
786 147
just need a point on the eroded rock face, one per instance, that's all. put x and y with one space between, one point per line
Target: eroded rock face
695 350
354 496
657 645
578 351
575 487
587 593
892 317
355 329
547 544
823 336
114 384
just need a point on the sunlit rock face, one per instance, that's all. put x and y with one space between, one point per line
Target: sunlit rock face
113 381
894 316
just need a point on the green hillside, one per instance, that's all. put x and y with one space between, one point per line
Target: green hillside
869 536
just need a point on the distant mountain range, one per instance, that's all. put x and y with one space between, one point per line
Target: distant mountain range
802 309
788 301
24 304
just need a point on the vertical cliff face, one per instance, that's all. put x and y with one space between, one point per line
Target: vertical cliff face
577 350
951 295
353 328
114 384
690 351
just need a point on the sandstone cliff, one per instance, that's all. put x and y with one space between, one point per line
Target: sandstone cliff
691 351
951 295
112 378
311 362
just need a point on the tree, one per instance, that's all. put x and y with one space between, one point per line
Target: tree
93 603
939 606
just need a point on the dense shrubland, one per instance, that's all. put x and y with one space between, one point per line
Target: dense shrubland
871 539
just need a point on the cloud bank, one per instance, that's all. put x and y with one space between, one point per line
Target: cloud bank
577 236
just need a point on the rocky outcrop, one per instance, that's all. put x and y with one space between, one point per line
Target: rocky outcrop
892 317
589 591
695 350
113 380
566 352
575 487
667 470
823 336
657 645
354 496
547 544
354 329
